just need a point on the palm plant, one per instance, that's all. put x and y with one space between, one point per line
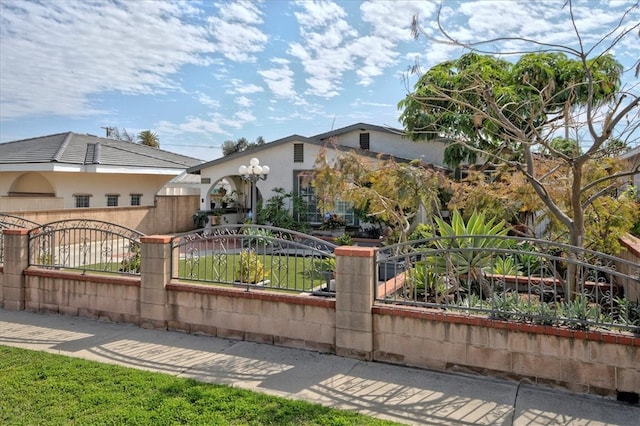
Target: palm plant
147 137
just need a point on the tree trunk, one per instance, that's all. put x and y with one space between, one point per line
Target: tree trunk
576 231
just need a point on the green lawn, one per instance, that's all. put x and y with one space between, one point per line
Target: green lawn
289 272
286 272
38 388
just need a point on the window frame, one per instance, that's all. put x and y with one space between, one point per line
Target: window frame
131 198
313 215
110 197
79 197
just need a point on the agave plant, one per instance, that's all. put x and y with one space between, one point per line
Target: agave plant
467 251
425 281
505 266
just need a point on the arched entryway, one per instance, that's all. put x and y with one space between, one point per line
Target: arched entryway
31 184
230 196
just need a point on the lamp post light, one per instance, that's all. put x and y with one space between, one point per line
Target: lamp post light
253 173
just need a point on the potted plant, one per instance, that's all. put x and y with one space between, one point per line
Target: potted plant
327 268
215 218
333 225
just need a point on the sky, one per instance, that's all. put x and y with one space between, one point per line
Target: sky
198 73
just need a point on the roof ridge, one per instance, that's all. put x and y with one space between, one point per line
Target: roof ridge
35 137
62 148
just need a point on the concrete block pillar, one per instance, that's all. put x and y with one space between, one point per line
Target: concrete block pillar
16 260
155 273
355 279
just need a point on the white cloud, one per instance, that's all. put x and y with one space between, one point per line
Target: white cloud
318 14
332 46
240 87
235 31
240 11
243 101
545 22
280 81
55 55
323 54
243 117
392 19
252 62
374 65
207 100
192 125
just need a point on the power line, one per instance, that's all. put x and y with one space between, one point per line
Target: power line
192 146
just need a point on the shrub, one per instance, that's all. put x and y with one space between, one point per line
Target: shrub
280 209
131 263
251 269
200 219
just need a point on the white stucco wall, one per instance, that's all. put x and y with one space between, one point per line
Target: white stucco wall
396 145
65 185
280 161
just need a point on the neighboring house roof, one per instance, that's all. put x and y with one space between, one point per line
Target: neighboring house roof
635 152
185 178
296 138
320 140
358 126
88 150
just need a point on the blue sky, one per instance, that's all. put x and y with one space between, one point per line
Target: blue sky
198 73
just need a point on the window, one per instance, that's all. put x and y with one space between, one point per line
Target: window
82 200
313 214
298 153
112 200
136 199
364 141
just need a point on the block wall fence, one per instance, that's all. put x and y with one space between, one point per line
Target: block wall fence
349 325
170 214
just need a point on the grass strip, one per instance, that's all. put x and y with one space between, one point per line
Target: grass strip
47 389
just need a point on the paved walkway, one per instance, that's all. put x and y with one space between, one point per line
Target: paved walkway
406 395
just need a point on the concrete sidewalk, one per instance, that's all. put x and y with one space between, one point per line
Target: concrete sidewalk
406 395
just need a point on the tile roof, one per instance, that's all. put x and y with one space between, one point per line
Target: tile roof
82 149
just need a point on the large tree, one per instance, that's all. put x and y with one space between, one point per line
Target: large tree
383 189
504 112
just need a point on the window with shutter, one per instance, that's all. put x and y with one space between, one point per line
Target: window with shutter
364 141
298 153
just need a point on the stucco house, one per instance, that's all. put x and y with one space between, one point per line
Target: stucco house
70 170
292 158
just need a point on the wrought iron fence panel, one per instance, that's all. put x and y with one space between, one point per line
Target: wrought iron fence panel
86 245
254 256
8 221
512 278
